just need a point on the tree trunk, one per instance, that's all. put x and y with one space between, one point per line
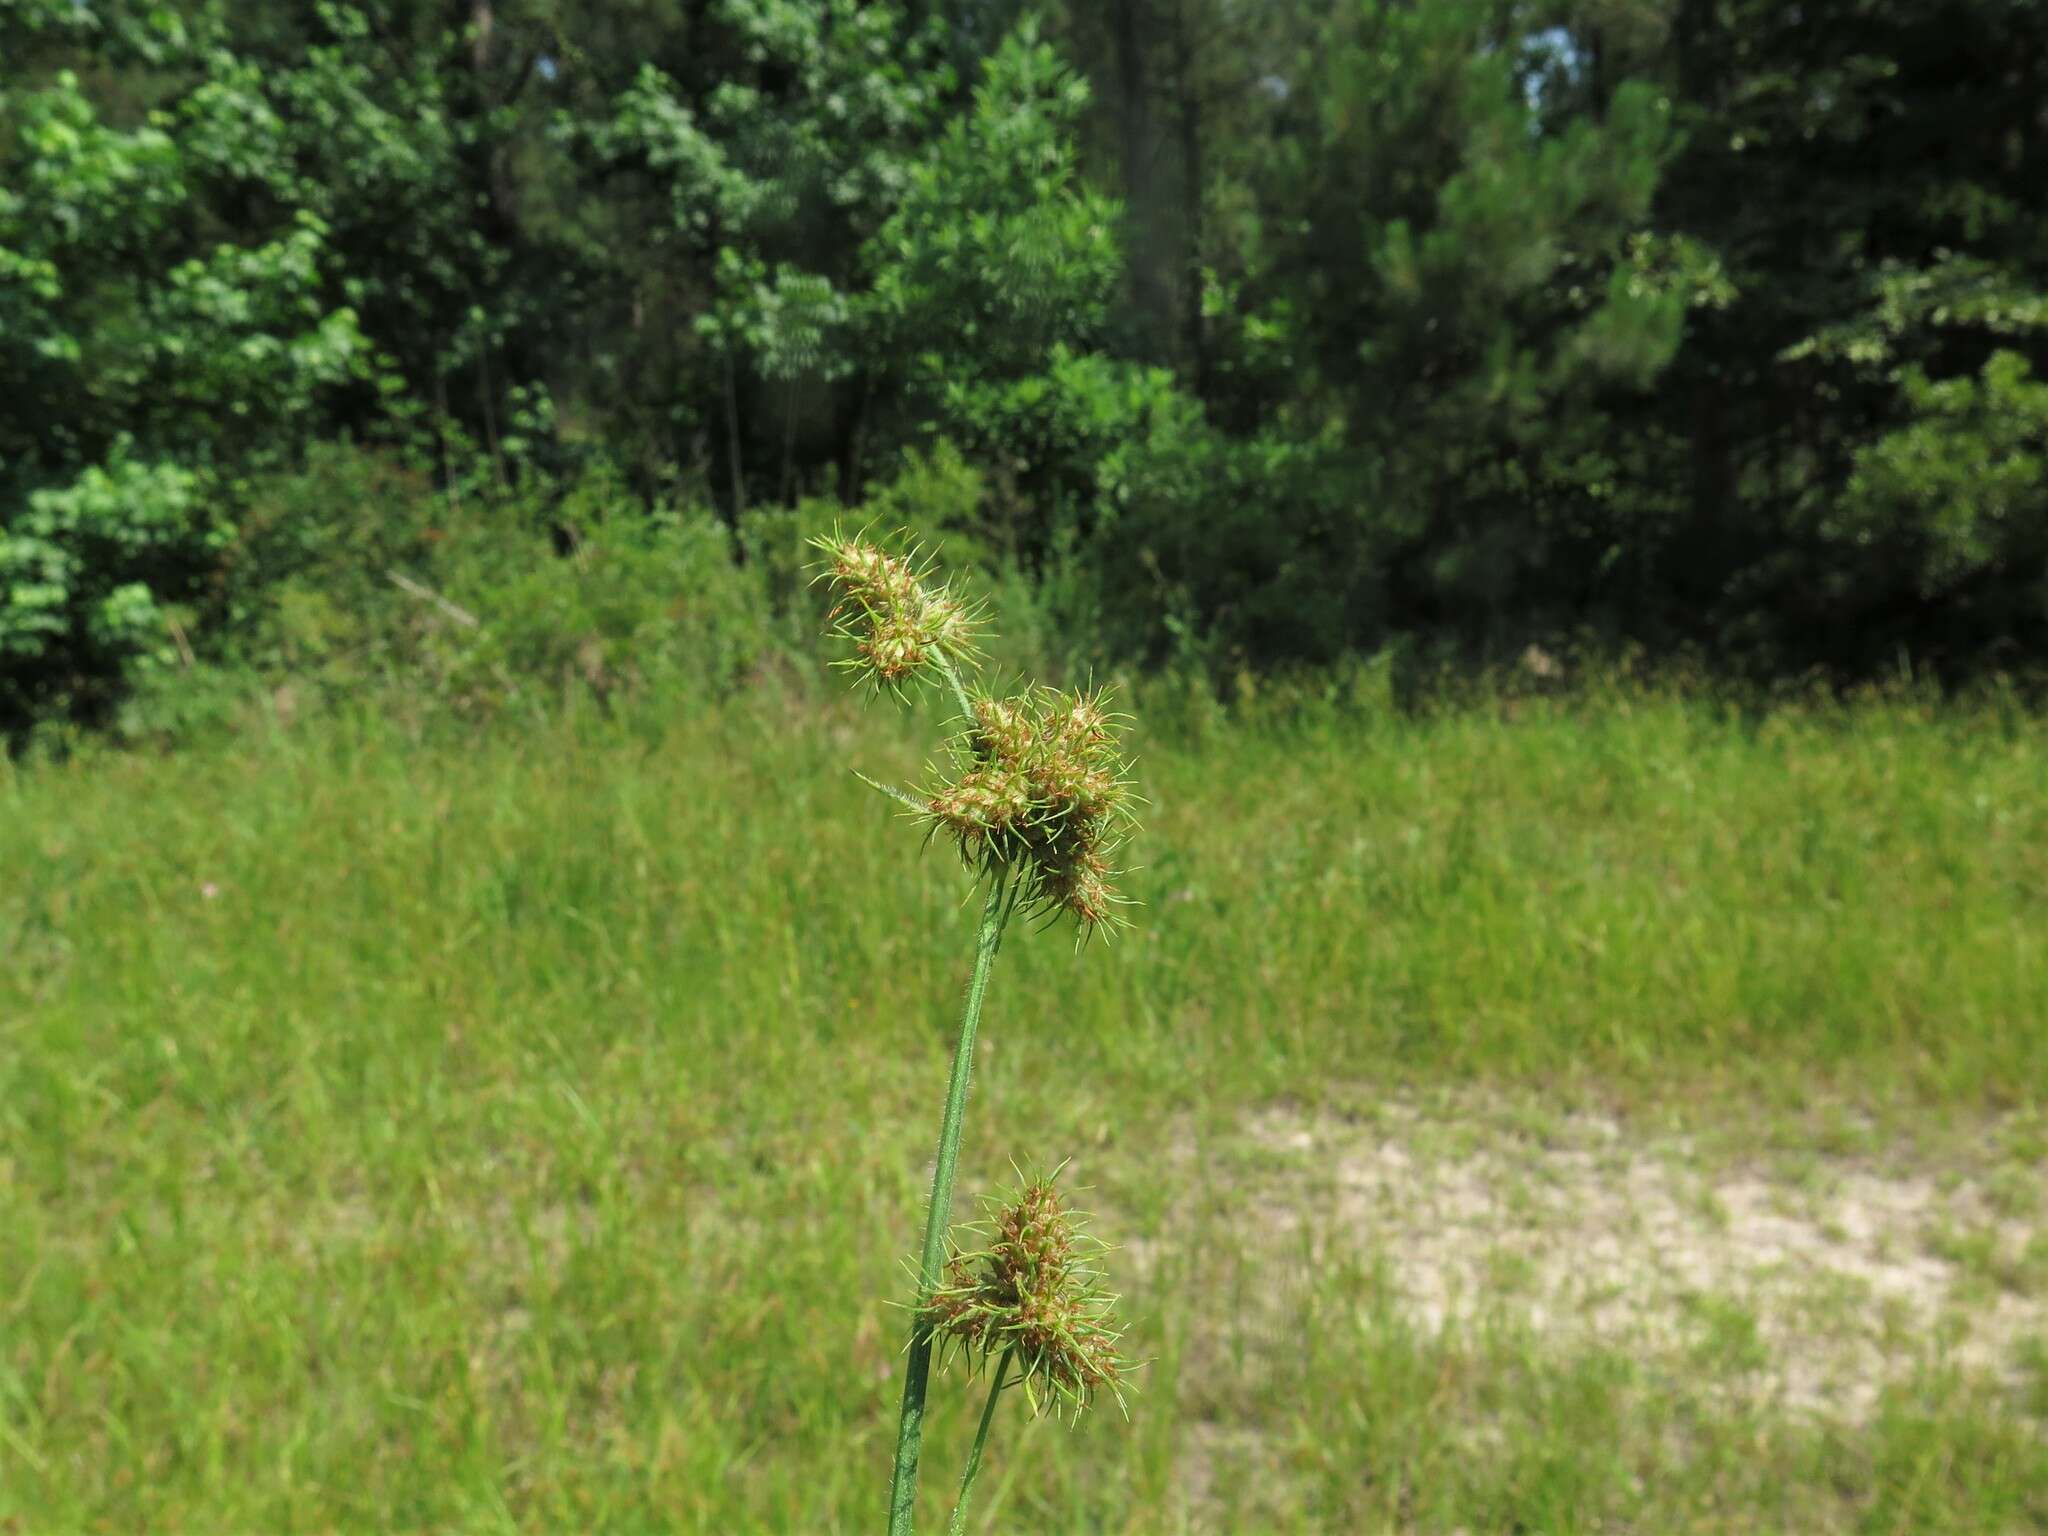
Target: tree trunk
481 23
732 427
850 423
1128 25
1193 334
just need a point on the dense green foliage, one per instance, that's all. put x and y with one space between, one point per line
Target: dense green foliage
1270 333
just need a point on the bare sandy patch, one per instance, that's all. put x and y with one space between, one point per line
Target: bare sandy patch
1813 1288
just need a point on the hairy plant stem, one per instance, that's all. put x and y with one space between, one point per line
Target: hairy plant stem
910 1423
960 700
957 1526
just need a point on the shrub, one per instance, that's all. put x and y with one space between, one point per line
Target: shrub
90 574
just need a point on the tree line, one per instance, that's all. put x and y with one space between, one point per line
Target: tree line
1273 330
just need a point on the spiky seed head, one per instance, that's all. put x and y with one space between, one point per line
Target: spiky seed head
902 625
1002 730
1040 790
1033 1289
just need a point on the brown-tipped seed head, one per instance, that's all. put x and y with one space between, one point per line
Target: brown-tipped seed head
1041 792
903 627
1031 1290
1038 792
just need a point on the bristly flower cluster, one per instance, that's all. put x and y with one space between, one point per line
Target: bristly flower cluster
1040 791
902 626
1029 1290
1038 794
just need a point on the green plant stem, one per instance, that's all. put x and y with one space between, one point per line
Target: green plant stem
961 701
910 1424
957 1526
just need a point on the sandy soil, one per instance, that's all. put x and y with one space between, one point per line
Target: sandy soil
1812 1286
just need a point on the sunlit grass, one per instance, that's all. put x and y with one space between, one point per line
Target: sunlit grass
515 1130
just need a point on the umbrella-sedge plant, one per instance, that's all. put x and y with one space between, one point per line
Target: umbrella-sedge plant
1033 792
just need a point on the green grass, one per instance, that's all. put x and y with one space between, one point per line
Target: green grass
526 1130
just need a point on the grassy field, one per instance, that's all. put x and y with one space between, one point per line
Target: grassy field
1623 1115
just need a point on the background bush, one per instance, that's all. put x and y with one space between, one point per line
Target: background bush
1223 343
